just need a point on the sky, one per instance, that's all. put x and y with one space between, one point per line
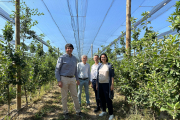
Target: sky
99 22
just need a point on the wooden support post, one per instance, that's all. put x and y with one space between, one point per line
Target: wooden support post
91 50
98 51
17 30
128 27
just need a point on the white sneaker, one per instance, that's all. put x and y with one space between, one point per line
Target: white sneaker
111 117
102 114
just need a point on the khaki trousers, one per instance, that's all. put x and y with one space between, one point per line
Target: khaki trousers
69 84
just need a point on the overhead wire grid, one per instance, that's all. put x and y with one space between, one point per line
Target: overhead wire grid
97 32
78 22
155 13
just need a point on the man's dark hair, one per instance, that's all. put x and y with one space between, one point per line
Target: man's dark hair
97 55
69 45
105 55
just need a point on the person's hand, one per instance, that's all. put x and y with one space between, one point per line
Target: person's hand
77 82
96 87
92 85
112 87
60 84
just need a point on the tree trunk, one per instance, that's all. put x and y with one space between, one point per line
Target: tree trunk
8 99
25 94
39 90
30 97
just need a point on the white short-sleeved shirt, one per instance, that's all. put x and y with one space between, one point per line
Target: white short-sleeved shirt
94 68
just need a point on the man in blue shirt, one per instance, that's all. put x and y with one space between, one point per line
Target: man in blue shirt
66 75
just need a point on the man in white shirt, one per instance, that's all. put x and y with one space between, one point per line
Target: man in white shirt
83 70
94 68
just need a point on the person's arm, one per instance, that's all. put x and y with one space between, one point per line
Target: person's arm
112 74
97 78
89 74
58 68
112 84
76 74
57 71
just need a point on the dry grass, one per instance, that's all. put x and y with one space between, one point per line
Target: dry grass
48 106
31 99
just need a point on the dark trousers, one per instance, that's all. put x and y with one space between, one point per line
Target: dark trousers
104 97
98 103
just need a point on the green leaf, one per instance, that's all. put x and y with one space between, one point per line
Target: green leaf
170 105
177 105
171 72
164 109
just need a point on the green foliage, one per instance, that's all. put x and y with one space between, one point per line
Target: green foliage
145 21
135 36
8 32
36 68
173 109
175 18
150 79
122 43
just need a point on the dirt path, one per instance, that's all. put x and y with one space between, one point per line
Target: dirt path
49 107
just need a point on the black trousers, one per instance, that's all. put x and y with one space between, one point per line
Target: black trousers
98 102
104 97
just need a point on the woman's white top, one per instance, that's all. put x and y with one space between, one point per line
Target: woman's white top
104 74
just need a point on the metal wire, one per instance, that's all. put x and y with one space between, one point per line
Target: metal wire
78 24
152 12
54 20
101 24
124 21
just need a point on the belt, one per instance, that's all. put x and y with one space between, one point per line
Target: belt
68 76
94 79
83 78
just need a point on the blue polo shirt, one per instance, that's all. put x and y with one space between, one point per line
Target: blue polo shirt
66 66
